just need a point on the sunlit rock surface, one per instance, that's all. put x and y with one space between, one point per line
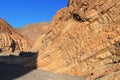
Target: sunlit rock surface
83 40
11 40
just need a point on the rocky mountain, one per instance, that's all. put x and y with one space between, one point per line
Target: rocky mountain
11 40
33 31
83 39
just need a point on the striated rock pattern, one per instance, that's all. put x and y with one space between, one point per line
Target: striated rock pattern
33 31
84 40
11 40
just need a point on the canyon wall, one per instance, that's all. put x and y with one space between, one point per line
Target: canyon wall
84 40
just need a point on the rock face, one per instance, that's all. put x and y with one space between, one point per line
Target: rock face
33 31
84 40
11 40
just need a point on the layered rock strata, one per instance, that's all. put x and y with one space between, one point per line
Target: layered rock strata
11 40
83 40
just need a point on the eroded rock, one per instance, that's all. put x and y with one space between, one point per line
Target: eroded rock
83 40
11 40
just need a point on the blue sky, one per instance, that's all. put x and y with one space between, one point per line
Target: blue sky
21 12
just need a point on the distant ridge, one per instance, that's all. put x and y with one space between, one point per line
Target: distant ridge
33 31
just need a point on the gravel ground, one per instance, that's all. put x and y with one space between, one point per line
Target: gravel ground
44 75
18 72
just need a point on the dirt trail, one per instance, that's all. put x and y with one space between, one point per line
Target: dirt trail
18 72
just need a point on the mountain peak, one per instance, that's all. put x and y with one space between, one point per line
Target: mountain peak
5 27
2 21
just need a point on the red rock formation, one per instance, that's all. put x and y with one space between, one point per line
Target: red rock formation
84 40
11 40
33 31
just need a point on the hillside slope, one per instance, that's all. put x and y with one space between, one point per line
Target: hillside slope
11 40
33 31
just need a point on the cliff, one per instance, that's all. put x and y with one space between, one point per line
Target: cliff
84 40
